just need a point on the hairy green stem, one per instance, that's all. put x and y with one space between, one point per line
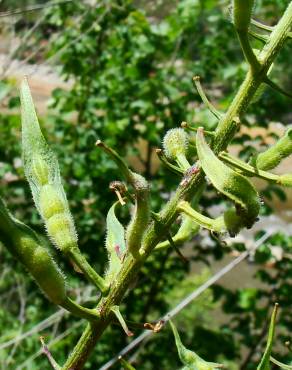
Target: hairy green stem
182 161
209 105
76 309
157 231
80 261
247 169
216 225
247 51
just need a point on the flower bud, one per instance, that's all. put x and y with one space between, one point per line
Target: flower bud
229 182
175 142
175 145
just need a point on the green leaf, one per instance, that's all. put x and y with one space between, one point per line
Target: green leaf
228 182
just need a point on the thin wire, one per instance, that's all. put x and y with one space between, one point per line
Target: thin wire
40 326
33 8
80 37
188 299
22 42
52 58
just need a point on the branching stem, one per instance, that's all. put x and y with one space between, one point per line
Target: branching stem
157 231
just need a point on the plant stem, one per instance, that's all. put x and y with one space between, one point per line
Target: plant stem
182 161
80 311
77 257
157 231
247 51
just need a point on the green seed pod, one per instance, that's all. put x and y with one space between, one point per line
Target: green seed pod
24 244
140 217
276 153
115 243
285 180
48 276
50 203
190 358
233 223
228 182
241 14
43 174
175 145
40 170
61 229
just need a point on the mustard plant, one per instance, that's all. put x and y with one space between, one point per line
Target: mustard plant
129 246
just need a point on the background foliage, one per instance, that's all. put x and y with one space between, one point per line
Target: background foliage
131 66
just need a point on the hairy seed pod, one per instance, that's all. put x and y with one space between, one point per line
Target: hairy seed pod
140 217
285 180
175 145
40 170
233 223
48 276
50 203
115 243
276 153
61 229
189 358
241 13
43 174
24 244
228 182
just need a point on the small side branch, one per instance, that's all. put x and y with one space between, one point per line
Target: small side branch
48 354
209 105
170 166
